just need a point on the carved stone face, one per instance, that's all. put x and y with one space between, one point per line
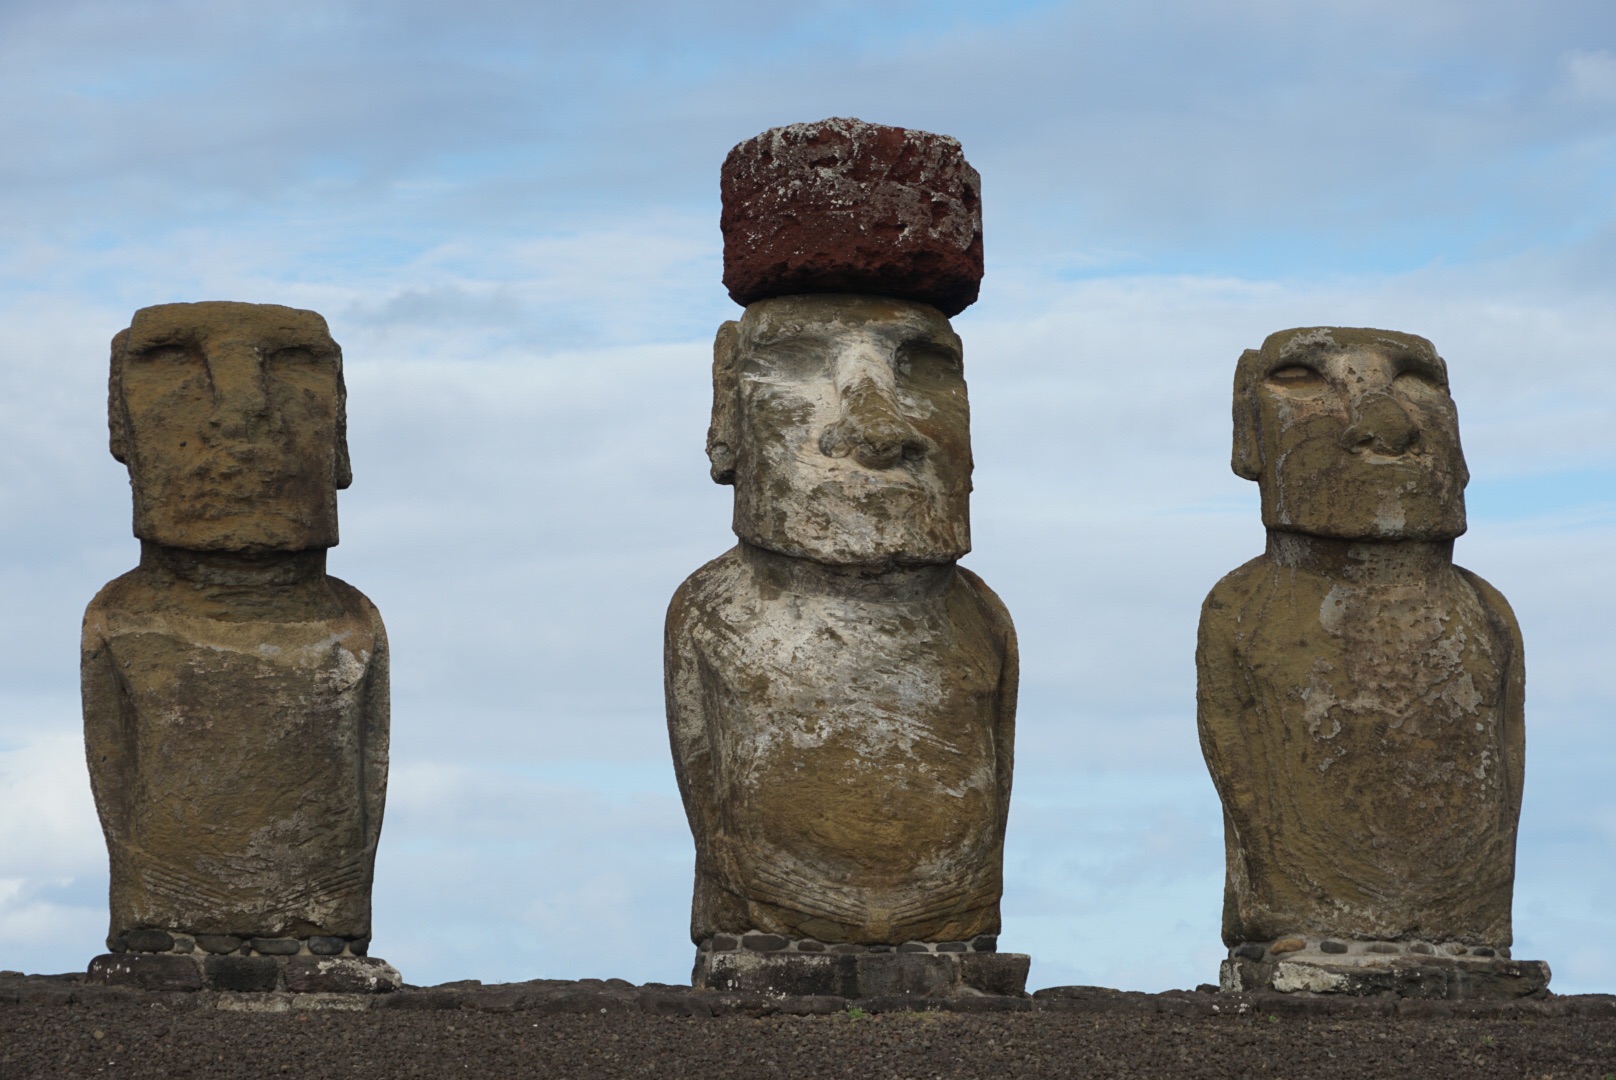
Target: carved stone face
1351 434
842 422
230 419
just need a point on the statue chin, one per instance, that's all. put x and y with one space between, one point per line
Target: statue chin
909 532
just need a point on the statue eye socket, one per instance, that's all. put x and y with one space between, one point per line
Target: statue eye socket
295 354
926 360
1296 376
1416 381
163 354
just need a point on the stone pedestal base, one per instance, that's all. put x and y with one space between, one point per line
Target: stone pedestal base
1410 975
246 974
864 975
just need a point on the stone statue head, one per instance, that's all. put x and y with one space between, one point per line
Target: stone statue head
843 423
1350 434
839 408
230 418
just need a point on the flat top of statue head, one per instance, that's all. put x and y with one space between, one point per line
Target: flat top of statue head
269 324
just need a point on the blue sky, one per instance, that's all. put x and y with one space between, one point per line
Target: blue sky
508 213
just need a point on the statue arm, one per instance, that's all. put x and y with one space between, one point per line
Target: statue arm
1222 715
1222 702
107 747
686 708
376 729
1513 709
1004 731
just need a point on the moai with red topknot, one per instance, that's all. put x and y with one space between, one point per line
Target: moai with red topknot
840 692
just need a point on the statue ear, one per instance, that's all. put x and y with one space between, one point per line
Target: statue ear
117 411
341 467
1246 460
721 432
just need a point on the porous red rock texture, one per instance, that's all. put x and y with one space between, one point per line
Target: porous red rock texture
842 206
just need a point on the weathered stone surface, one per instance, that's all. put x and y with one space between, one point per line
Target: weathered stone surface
340 975
841 695
1406 976
1360 697
995 973
867 975
235 696
218 943
764 942
147 971
244 974
147 940
276 946
326 946
841 206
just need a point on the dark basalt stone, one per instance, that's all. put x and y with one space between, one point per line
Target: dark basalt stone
148 941
915 976
327 946
242 974
218 943
276 946
146 971
764 942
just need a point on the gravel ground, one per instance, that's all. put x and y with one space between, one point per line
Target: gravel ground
1101 1034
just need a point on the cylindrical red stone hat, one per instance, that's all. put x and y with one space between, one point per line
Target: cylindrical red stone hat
844 206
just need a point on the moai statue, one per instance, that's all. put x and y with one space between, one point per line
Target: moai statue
1360 697
841 694
235 696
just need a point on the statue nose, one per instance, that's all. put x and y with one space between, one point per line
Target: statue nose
238 390
1382 426
872 429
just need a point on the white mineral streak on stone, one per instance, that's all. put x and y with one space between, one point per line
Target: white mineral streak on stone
1290 978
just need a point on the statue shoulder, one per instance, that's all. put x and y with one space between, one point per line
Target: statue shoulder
715 585
988 600
355 603
1492 600
1235 588
127 595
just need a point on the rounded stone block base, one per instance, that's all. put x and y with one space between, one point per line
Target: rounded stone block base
1408 976
246 974
864 975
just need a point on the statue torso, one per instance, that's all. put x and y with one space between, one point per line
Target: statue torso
854 752
1374 745
243 735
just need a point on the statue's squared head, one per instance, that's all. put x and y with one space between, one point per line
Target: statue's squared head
230 418
842 421
1350 434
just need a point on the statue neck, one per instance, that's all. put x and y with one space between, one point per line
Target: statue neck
804 576
1361 562
234 569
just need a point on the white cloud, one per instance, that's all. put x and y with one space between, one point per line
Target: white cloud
1591 75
